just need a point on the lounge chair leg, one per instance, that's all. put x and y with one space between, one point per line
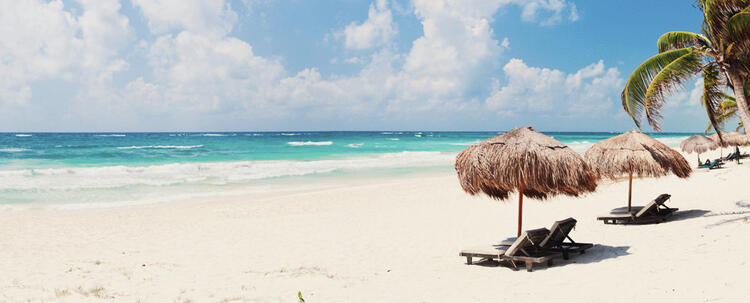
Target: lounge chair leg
549 263
468 260
564 253
528 266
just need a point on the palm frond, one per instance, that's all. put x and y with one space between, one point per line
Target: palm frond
666 81
712 95
678 39
634 94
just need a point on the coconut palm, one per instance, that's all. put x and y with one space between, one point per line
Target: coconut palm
727 110
718 55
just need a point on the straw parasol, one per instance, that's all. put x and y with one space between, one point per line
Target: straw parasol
731 139
634 153
524 161
698 144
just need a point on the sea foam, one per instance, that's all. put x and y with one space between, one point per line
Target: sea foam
161 147
202 173
13 150
321 143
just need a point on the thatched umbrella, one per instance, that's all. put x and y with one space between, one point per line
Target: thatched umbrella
698 144
731 139
634 153
524 161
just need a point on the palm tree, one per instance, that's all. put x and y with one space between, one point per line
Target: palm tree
728 110
718 55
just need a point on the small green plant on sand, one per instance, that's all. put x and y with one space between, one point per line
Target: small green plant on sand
299 295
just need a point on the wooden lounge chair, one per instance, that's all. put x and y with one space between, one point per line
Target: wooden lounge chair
555 240
654 212
524 249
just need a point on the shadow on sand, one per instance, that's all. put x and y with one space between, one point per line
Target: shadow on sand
688 214
595 254
731 213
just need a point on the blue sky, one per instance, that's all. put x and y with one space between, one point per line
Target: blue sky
192 65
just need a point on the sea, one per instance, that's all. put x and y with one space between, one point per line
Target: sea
73 170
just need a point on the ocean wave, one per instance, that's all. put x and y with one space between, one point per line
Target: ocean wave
289 134
418 135
213 135
320 143
355 145
393 139
112 135
462 143
203 173
161 147
673 142
254 135
23 135
13 150
386 133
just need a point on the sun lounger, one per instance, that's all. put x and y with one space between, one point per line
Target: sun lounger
715 164
555 240
523 250
654 212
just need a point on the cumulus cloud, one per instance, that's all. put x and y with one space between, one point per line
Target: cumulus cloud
201 16
41 40
377 30
547 12
195 66
590 90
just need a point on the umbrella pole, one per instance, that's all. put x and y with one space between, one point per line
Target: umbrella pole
699 160
630 188
520 209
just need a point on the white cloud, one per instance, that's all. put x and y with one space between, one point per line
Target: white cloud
377 30
546 12
592 89
201 16
505 43
573 17
42 40
195 67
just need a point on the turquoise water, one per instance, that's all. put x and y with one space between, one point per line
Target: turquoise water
64 168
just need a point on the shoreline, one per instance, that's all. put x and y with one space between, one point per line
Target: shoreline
379 240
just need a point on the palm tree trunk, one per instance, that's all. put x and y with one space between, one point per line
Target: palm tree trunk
738 84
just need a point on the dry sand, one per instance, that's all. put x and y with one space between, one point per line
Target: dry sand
384 240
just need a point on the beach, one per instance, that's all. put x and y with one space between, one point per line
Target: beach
380 239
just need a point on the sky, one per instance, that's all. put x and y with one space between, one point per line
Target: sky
264 65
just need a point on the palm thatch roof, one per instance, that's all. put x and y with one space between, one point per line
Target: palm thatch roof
527 159
636 153
731 139
698 144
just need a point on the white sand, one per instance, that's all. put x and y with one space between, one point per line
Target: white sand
381 241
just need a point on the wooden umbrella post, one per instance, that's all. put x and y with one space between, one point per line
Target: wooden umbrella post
520 209
630 188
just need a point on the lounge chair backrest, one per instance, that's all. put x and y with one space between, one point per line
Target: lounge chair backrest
662 198
528 239
558 233
652 206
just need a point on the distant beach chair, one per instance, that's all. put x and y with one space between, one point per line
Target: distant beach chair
730 157
715 164
654 212
534 246
523 250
